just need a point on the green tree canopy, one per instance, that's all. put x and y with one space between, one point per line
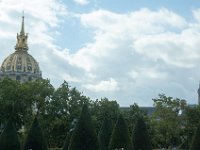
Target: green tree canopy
191 120
11 104
35 139
120 136
140 136
104 108
167 120
84 136
24 99
195 145
105 134
64 107
9 139
132 114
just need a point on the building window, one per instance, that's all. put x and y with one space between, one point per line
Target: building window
19 67
18 78
8 67
29 68
29 78
2 69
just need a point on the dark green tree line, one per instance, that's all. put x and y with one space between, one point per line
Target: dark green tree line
173 122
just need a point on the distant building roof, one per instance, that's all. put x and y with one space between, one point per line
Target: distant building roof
148 110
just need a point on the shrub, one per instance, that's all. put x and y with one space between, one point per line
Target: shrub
35 139
84 136
9 139
140 136
195 145
105 134
120 136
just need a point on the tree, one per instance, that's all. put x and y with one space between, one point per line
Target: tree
84 135
105 134
140 136
120 136
22 97
192 119
67 141
64 107
35 139
132 114
9 139
10 99
195 145
167 121
58 115
104 108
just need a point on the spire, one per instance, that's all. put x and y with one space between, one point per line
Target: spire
22 39
22 27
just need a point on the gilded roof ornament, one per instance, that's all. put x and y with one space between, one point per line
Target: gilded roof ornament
22 39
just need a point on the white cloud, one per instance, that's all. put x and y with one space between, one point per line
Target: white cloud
147 73
196 14
82 2
110 85
142 21
142 50
45 10
42 19
70 78
172 48
133 56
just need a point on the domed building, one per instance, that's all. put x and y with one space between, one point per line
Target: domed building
20 65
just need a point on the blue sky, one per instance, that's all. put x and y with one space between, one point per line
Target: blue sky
73 26
129 51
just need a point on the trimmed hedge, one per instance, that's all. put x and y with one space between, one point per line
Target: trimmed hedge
84 136
9 139
120 136
35 139
140 136
105 134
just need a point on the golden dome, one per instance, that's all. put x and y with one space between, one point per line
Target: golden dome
20 62
20 65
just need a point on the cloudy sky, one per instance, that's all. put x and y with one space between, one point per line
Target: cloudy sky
129 51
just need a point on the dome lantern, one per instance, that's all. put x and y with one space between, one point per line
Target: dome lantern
22 38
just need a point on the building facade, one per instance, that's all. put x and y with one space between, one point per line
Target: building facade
20 65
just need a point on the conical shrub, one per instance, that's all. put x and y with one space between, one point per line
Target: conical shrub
9 139
105 134
140 136
195 145
84 136
35 139
120 136
67 141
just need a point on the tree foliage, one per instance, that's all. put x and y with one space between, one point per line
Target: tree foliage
9 138
172 124
191 119
105 134
84 135
11 102
140 136
195 141
120 136
166 120
65 106
104 108
132 114
35 139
